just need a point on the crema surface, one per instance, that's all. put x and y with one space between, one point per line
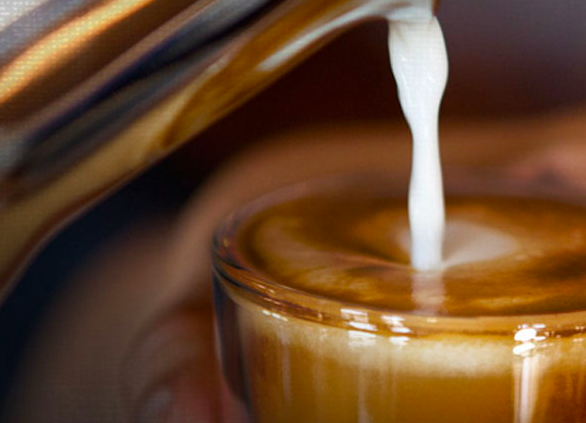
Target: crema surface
502 256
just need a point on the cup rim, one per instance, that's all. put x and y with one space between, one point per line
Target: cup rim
246 285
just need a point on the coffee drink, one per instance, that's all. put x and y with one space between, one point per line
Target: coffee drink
339 303
323 319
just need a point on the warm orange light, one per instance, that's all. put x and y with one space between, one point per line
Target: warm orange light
60 45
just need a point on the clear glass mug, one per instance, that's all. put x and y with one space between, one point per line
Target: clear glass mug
293 356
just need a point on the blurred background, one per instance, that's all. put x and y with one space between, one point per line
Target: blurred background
507 60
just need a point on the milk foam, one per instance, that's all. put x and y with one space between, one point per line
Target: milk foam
467 242
420 65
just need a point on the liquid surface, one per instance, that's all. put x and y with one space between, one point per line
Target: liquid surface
420 65
504 256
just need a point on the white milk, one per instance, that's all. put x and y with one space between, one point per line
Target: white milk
468 242
420 65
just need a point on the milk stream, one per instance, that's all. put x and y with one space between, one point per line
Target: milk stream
420 66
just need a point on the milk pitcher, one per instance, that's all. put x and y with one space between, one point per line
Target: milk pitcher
93 91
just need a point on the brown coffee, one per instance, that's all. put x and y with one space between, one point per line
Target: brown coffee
333 325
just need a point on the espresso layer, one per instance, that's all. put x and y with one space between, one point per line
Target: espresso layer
303 371
503 256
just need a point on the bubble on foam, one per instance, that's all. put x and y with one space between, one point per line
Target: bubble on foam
468 242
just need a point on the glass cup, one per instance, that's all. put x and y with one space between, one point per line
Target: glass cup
294 356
